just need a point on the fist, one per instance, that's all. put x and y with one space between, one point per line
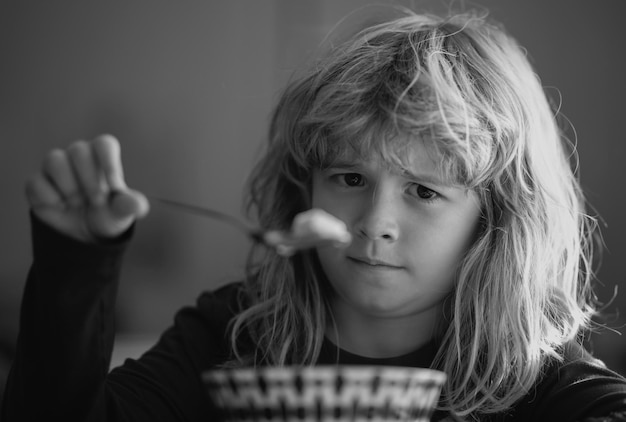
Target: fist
80 191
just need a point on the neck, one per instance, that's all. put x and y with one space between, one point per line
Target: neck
381 336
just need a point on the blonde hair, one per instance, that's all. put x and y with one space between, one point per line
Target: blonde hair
464 85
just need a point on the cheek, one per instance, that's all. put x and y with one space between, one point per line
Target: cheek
442 243
340 207
468 226
317 195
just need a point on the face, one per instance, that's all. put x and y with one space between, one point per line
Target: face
410 231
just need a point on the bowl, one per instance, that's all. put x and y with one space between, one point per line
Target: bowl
324 393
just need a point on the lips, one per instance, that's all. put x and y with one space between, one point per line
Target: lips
373 262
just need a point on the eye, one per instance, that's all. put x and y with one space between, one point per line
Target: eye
423 192
350 179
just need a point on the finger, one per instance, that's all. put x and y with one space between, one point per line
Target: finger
89 177
107 153
129 203
40 192
58 170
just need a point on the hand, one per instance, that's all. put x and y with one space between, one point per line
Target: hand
80 191
310 229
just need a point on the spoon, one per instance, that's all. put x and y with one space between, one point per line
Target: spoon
256 234
310 229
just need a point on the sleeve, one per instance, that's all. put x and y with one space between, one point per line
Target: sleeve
61 368
611 417
66 327
579 389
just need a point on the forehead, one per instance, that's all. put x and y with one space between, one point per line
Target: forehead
412 157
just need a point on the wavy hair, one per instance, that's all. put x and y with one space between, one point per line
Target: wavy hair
466 87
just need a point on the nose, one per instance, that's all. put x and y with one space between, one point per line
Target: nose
379 217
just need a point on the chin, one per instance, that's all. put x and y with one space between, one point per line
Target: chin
379 306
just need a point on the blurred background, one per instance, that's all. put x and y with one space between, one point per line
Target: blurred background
187 87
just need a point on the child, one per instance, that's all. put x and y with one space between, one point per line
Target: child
468 249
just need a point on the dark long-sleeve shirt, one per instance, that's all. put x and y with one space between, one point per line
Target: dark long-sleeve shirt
61 369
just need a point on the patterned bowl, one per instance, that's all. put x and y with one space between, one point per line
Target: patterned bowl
325 393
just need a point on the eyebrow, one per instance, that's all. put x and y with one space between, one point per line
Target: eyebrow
342 163
350 164
427 178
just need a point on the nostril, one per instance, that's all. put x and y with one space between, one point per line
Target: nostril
377 234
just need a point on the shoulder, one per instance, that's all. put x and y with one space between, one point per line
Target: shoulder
217 307
201 330
211 313
226 293
224 301
577 386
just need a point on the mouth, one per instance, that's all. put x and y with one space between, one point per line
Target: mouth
373 262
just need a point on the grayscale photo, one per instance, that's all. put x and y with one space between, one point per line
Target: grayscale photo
312 210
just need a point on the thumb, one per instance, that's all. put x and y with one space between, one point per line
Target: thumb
128 203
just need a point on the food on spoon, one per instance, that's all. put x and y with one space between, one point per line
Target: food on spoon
309 229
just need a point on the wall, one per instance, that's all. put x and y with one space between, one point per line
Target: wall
188 88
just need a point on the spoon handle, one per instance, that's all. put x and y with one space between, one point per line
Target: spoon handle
255 234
